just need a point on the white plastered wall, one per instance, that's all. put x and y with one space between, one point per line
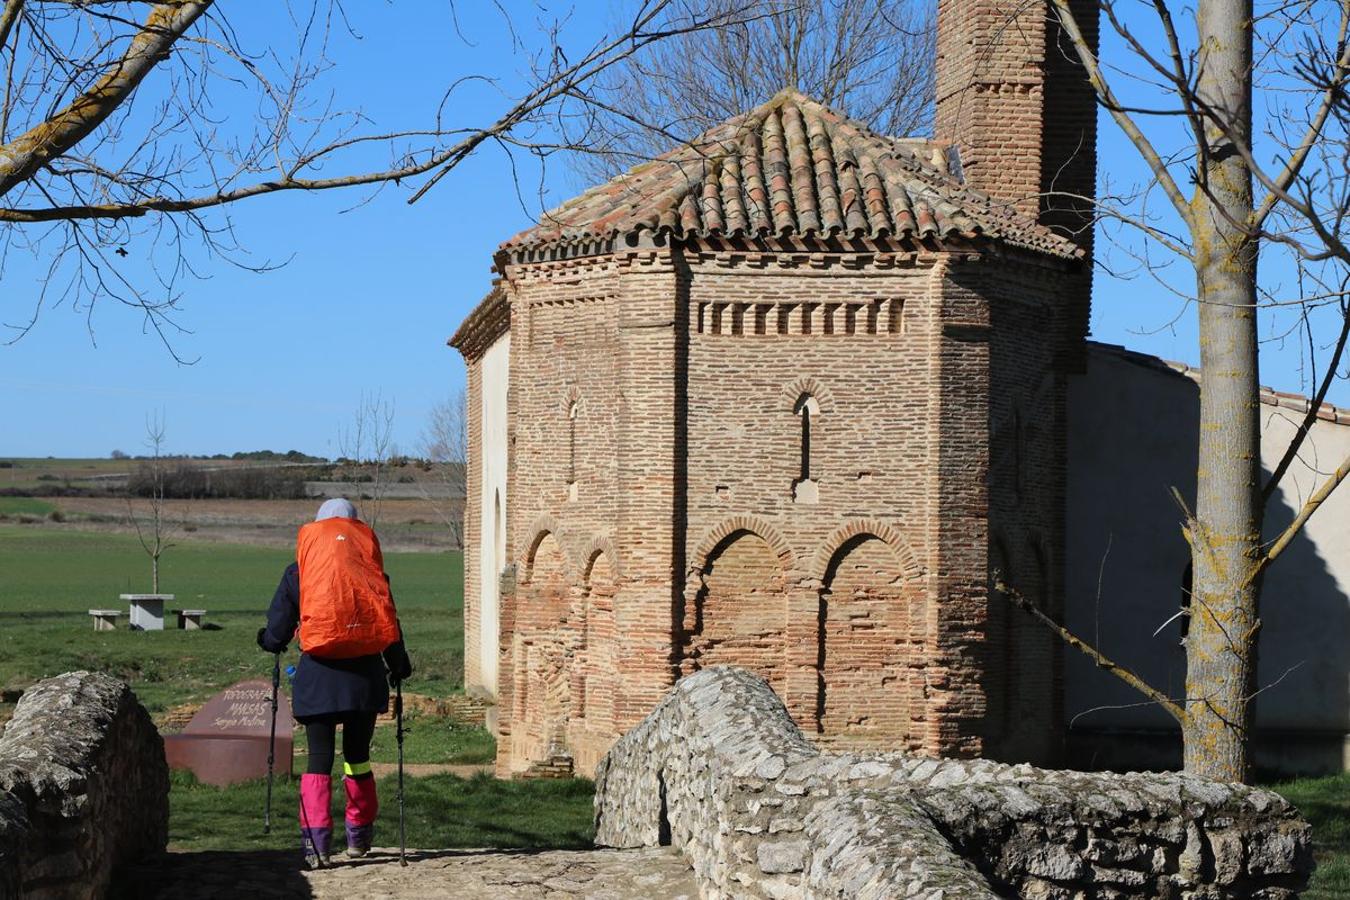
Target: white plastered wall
494 369
1133 431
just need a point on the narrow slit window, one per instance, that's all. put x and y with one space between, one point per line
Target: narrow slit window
762 318
572 450
805 488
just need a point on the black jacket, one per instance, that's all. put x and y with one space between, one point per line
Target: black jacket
326 686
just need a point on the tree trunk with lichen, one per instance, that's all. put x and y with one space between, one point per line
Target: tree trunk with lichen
1225 533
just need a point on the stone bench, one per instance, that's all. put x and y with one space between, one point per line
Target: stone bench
189 619
105 619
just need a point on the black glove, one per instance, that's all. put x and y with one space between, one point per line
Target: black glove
262 641
400 666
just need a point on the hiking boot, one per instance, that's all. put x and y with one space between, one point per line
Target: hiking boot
359 839
315 844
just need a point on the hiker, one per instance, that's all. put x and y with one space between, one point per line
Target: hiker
338 594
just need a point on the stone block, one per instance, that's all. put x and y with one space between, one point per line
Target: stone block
83 788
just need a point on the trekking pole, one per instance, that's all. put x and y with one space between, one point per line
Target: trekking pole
272 741
398 736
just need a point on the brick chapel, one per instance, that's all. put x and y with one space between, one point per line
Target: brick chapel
765 401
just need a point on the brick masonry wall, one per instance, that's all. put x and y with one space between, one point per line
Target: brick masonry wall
1017 104
808 463
1027 430
564 486
822 591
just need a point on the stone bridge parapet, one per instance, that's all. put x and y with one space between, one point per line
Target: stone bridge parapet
83 788
720 771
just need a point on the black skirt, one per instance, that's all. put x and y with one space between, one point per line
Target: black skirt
323 687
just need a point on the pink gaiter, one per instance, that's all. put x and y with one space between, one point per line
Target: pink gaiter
362 805
316 818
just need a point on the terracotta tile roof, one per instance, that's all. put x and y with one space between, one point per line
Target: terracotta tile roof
1298 403
791 167
489 320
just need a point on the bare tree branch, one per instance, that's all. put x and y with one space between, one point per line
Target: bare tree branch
22 156
1124 673
1113 106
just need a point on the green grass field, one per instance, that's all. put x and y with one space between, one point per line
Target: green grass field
25 506
1325 802
441 810
434 740
51 578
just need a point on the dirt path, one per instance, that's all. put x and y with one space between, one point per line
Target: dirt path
649 874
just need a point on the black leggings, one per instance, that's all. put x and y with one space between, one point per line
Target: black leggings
321 734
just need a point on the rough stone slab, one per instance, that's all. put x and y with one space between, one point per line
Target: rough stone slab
720 771
83 787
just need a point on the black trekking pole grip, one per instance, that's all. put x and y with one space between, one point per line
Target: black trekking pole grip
272 741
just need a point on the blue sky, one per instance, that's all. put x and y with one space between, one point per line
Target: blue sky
370 295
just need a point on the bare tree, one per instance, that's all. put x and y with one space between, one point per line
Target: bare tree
873 59
1193 81
368 442
157 532
445 447
112 134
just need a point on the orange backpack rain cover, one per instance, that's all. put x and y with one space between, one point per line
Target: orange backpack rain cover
346 608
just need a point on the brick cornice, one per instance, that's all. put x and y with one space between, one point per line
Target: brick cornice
488 321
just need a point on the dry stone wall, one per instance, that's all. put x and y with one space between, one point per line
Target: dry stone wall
83 788
720 771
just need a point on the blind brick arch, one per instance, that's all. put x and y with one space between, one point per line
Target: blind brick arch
739 611
542 652
871 647
595 679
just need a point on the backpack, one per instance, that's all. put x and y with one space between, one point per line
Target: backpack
346 608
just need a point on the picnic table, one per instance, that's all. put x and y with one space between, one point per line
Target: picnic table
147 610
